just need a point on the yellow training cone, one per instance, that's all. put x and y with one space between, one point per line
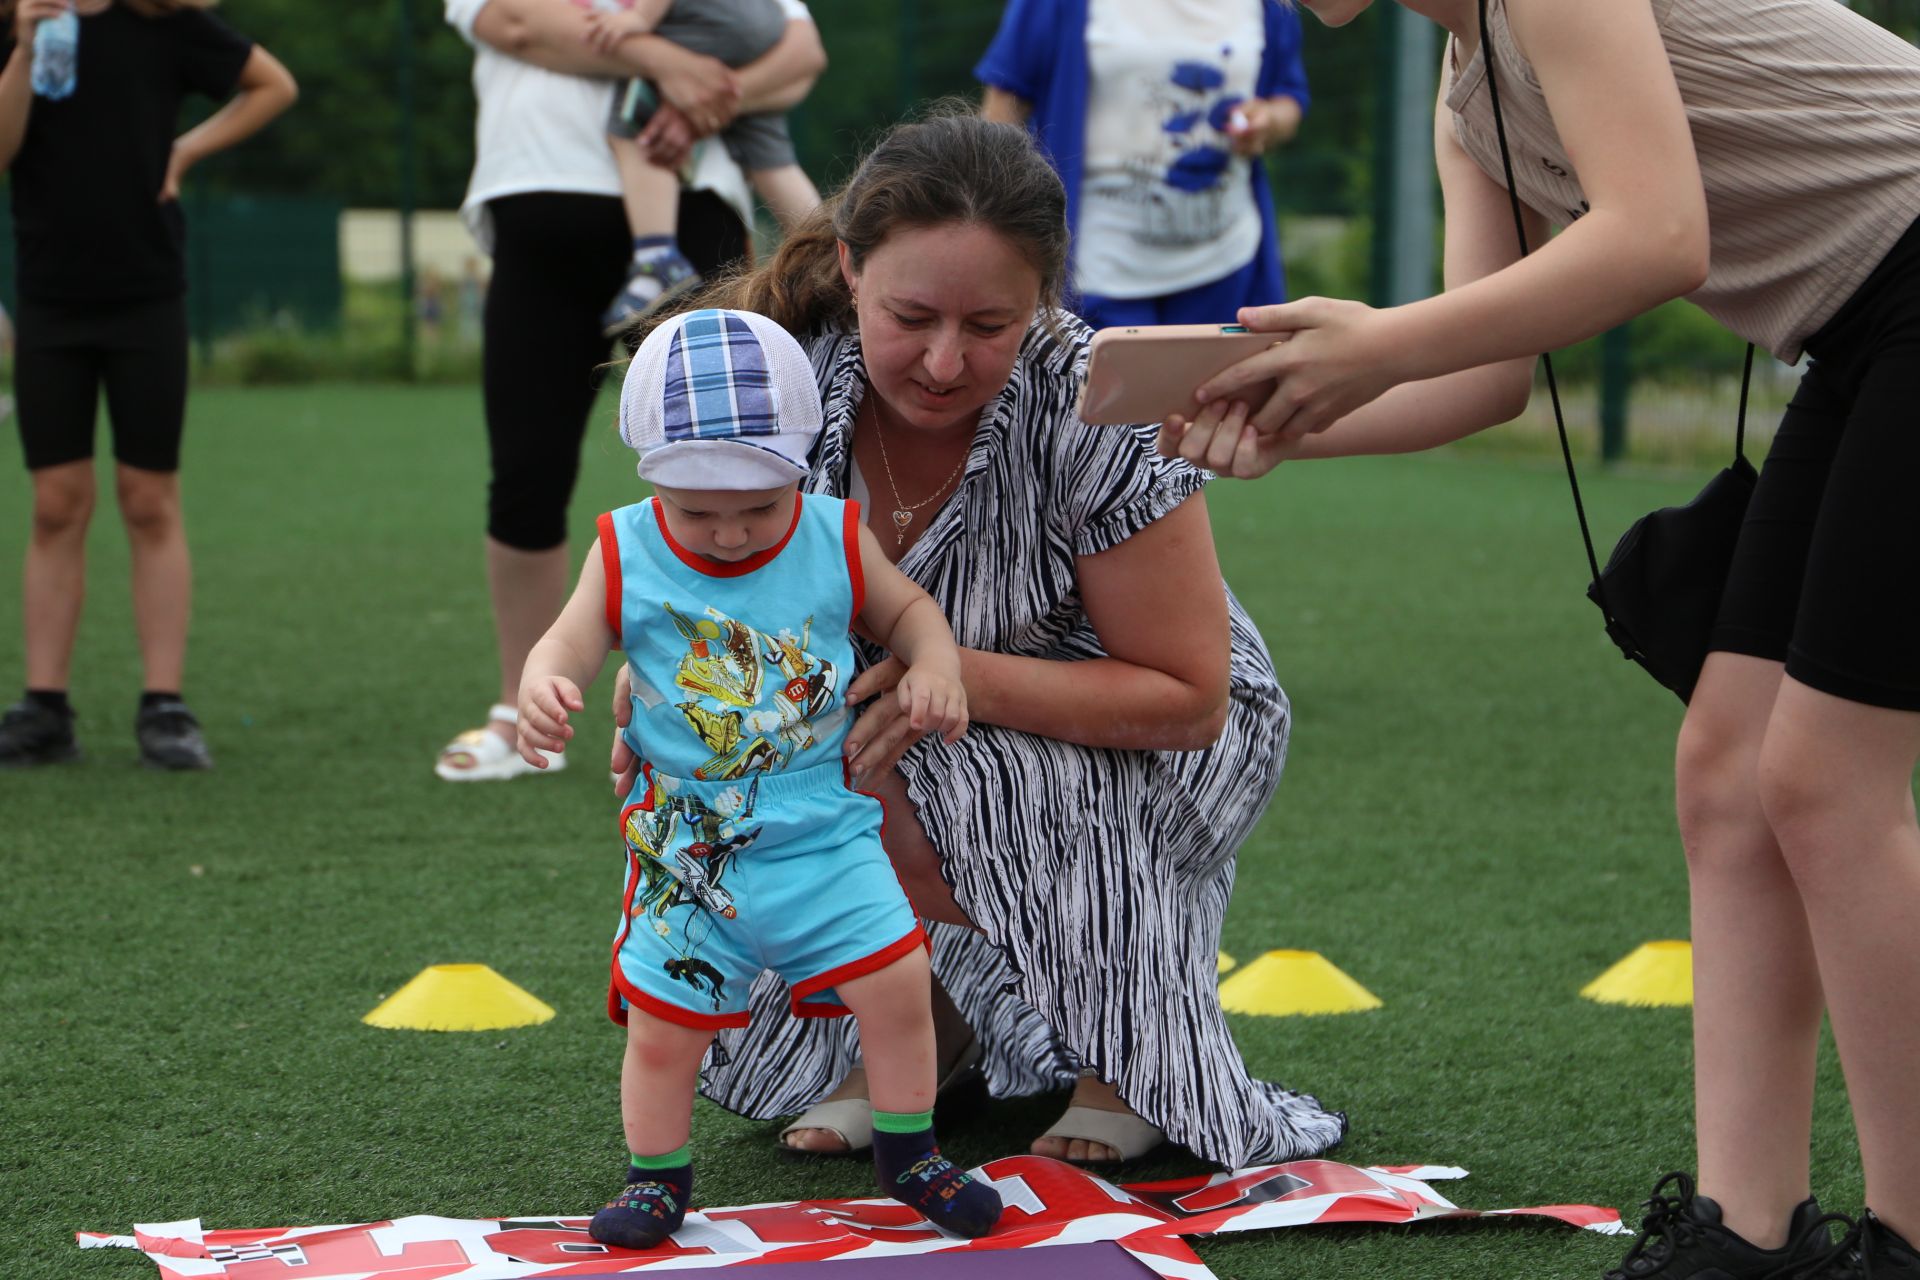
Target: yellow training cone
458 997
1283 983
1225 963
1656 973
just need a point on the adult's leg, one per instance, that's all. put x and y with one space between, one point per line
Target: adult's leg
55 578
1756 989
558 258
1837 783
146 385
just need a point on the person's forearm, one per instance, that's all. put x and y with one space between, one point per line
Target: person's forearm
784 75
1098 702
16 102
1600 272
1424 415
555 654
1002 107
553 34
244 115
921 635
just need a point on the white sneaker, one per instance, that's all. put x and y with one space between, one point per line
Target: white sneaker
481 755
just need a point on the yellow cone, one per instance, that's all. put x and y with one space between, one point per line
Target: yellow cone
1226 962
1283 983
1656 973
458 997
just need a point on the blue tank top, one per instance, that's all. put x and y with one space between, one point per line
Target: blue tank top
738 669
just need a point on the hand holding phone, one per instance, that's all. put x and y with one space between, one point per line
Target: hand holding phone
1149 373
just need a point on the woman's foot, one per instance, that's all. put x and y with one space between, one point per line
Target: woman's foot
1094 1094
831 1141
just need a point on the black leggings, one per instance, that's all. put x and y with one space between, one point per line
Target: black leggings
1823 574
67 353
558 259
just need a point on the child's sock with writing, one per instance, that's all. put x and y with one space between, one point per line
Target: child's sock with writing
651 1206
913 1171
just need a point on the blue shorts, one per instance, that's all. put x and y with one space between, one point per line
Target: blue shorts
1215 302
724 879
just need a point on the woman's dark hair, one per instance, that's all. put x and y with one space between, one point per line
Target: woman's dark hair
950 168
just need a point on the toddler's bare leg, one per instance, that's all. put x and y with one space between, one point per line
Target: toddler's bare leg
650 194
658 1077
787 191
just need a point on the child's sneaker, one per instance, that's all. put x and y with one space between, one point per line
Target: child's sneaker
1884 1252
169 736
31 734
1682 1237
652 282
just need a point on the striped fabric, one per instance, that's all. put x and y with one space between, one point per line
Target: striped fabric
1806 121
1098 878
718 387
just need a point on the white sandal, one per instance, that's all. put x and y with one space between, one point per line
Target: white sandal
481 755
1123 1131
851 1119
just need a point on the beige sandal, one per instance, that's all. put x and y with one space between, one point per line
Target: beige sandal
1123 1131
852 1118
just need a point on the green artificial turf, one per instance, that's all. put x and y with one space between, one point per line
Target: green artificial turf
1475 821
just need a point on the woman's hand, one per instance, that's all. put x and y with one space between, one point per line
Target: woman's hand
624 764
29 14
1220 439
884 730
704 88
1258 125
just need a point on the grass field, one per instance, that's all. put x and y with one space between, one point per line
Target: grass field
1475 821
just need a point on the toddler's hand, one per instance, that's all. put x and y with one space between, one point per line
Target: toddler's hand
605 30
544 707
933 702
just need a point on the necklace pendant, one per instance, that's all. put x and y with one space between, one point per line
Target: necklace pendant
901 519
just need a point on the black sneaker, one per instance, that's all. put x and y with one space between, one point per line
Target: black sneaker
31 734
1682 1237
1884 1252
170 737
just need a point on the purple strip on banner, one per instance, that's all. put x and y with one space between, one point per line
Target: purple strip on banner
1104 1261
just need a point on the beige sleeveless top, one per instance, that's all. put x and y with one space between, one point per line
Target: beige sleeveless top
1806 120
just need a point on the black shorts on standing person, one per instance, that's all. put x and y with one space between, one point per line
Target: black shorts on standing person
100 259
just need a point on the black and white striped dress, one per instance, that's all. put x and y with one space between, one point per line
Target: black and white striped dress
1098 878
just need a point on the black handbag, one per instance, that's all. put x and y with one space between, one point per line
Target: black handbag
1661 589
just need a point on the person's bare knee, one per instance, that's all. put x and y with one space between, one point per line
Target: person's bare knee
62 501
1716 761
149 502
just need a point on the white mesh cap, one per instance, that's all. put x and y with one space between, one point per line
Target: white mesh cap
720 400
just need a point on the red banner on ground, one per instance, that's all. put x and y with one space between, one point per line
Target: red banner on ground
1049 1204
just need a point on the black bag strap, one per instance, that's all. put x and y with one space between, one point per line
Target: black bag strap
1546 359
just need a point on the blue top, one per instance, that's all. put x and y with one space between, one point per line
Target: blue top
1040 56
738 669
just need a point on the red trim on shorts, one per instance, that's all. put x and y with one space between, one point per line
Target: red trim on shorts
661 1009
610 559
850 534
846 772
847 972
725 568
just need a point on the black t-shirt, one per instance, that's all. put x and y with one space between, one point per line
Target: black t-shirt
88 224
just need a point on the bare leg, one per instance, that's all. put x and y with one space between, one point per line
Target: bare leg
54 582
896 1024
528 588
787 191
1837 781
651 194
162 572
658 1076
1756 989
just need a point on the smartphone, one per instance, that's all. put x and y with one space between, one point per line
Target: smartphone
1148 374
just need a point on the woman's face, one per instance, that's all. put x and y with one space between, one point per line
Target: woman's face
942 311
1336 13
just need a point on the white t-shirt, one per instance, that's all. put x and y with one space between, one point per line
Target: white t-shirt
540 130
1164 203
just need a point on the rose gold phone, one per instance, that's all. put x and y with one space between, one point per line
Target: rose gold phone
1149 373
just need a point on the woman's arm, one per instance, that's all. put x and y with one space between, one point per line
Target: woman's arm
556 35
1643 240
783 76
266 89
1158 604
16 78
1002 107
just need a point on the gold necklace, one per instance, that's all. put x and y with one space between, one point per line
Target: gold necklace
903 511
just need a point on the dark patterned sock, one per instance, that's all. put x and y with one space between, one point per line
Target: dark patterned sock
648 1209
913 1171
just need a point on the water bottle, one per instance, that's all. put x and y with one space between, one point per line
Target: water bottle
56 55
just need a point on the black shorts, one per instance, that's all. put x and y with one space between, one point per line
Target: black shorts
1824 574
66 352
